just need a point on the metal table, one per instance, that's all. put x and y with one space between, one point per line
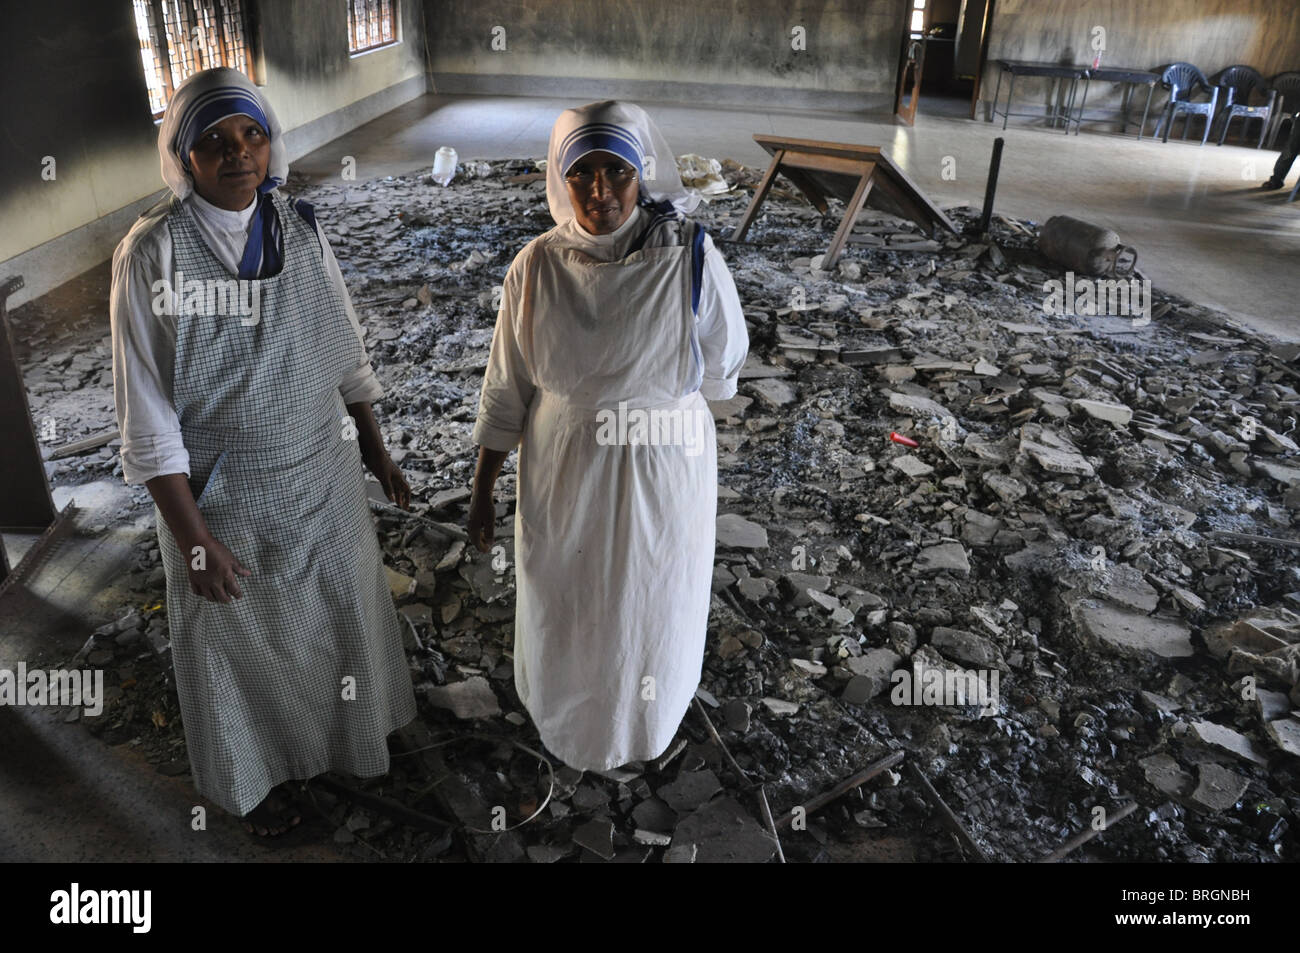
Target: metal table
1131 78
1057 72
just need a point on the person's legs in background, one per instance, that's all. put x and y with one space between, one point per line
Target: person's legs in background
1287 157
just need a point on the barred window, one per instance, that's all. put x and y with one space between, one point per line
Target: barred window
180 37
371 24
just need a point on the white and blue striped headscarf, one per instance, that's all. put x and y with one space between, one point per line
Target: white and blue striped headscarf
200 102
625 130
203 100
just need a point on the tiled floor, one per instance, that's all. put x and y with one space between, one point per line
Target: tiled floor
1200 226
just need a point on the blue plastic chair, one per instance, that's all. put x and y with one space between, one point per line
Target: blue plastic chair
1183 80
1238 84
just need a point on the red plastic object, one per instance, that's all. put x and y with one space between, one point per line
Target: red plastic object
897 437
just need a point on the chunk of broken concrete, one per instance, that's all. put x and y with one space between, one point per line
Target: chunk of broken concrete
1132 631
736 532
944 556
1225 739
1285 733
916 405
963 646
1165 775
1127 587
681 854
1117 414
779 706
774 392
1289 476
472 698
723 832
653 814
1007 488
1218 788
1052 452
597 836
912 466
400 584
690 790
1242 634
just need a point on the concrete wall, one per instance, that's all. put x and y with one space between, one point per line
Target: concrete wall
1144 34
735 52
74 90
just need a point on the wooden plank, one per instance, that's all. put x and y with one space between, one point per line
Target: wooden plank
760 194
836 165
850 216
81 446
848 150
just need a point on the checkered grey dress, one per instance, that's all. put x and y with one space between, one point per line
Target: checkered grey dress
264 681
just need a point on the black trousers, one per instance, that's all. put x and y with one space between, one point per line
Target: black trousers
1288 152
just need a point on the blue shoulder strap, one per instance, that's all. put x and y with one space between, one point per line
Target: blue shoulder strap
697 266
306 211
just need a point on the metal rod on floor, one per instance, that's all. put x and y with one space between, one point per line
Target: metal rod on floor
946 815
844 787
1078 840
991 189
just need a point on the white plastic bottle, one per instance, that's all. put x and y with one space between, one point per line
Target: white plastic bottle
444 165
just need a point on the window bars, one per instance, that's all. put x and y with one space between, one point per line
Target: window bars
181 37
371 24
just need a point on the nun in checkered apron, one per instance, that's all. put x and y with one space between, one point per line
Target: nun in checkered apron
296 668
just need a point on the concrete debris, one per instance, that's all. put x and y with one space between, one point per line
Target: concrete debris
1055 523
1222 738
690 790
472 698
1285 733
911 466
1053 452
1117 414
724 832
1132 631
596 836
961 646
1165 775
949 557
1218 788
736 532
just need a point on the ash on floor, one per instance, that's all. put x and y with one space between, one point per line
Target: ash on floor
1080 519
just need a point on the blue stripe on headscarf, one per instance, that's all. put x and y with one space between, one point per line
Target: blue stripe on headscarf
264 252
601 136
212 107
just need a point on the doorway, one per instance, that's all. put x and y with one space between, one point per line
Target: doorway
942 55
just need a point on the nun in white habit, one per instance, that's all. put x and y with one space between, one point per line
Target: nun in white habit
614 327
247 416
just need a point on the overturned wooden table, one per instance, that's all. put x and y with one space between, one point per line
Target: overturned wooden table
857 175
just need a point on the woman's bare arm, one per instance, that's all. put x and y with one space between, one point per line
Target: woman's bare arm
482 509
375 456
211 566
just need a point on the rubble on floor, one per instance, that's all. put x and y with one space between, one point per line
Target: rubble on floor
1080 514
